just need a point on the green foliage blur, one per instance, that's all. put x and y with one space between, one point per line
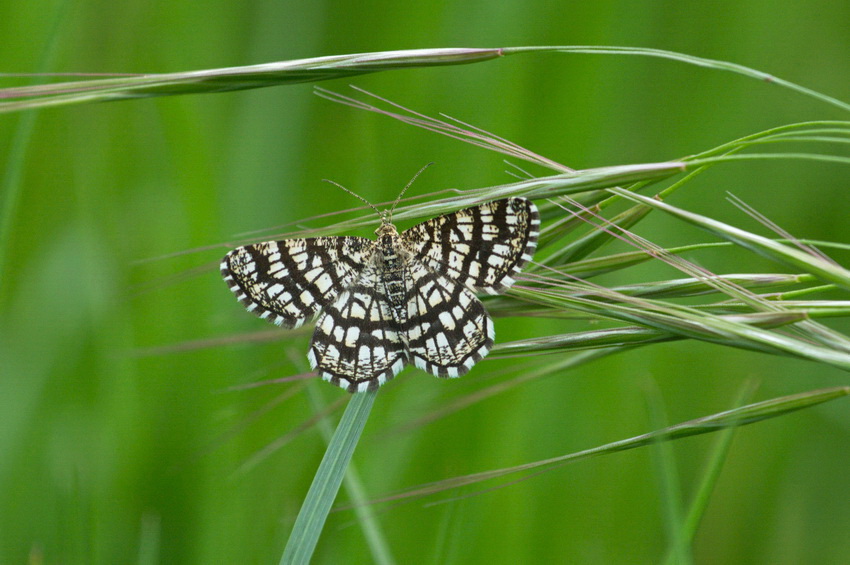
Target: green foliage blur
121 437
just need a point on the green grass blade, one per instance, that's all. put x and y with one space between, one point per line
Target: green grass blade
575 182
667 473
314 512
232 78
699 505
764 246
381 554
750 331
709 424
580 247
690 59
324 68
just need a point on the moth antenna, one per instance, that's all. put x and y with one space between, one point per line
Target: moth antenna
406 187
355 195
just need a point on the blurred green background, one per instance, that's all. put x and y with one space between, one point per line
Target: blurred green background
113 453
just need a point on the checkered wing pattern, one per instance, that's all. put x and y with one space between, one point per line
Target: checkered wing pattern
287 282
448 330
483 247
402 299
358 342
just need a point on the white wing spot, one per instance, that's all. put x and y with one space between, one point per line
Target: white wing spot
357 311
307 298
448 320
351 336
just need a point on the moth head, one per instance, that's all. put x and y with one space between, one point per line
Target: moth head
386 228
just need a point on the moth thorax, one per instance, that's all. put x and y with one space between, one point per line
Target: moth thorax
391 251
387 244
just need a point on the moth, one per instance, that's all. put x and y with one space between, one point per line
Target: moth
403 298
